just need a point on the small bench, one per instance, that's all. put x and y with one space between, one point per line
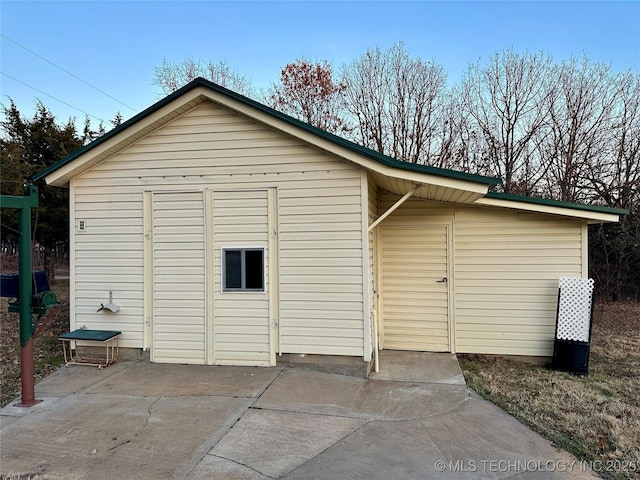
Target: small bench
108 338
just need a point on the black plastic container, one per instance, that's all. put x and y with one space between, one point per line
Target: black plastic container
571 356
9 283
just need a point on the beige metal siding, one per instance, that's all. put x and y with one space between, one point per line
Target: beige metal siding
241 319
415 298
507 270
321 286
108 257
179 286
414 211
213 148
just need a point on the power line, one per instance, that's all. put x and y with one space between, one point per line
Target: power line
51 96
66 71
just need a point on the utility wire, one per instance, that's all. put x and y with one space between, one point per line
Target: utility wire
51 96
13 230
66 71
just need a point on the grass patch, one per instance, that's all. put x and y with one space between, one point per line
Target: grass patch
594 417
47 351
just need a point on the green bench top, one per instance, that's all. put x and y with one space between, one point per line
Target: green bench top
95 335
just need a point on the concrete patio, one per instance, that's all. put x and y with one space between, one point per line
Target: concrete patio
415 419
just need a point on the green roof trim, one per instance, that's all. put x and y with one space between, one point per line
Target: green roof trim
556 203
201 82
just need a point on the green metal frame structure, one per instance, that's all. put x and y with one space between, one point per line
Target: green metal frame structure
24 205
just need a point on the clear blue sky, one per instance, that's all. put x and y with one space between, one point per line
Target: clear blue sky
115 45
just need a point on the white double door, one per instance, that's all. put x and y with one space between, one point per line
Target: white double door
189 318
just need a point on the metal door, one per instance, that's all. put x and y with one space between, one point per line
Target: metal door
415 288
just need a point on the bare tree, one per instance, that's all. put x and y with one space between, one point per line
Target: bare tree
170 76
504 101
615 182
615 177
398 103
461 146
308 92
579 129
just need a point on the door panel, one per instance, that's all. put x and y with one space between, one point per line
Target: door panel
178 278
241 318
414 296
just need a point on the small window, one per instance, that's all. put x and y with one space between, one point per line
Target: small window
243 270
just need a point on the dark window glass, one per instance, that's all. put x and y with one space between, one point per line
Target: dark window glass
254 269
243 269
233 269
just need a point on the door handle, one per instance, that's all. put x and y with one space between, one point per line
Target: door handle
444 280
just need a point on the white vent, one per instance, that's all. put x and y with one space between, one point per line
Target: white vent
574 309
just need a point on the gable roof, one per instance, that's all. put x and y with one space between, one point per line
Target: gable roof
392 174
372 154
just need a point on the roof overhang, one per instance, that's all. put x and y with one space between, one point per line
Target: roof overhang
592 214
424 182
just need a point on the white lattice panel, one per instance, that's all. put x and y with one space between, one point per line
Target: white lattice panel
574 309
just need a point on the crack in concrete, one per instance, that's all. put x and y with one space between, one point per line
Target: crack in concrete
366 421
368 417
114 448
250 406
229 425
330 446
146 420
244 465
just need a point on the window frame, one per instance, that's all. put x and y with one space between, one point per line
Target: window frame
243 271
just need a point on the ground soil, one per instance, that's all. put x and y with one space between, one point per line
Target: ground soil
47 348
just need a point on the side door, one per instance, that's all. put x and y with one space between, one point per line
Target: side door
415 288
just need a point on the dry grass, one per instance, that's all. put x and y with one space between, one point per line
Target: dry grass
595 417
46 347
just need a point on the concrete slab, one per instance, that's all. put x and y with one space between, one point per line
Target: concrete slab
155 379
73 379
178 433
116 436
6 420
177 421
321 393
475 440
66 438
222 469
426 367
11 410
273 443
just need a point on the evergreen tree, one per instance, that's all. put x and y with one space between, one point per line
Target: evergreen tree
27 146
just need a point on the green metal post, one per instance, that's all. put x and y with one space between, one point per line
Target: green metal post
24 274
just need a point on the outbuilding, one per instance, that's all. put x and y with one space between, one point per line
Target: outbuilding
228 233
